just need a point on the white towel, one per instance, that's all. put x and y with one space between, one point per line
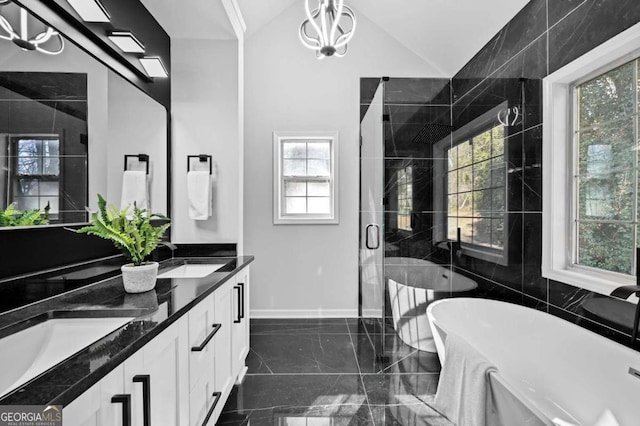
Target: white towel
199 193
462 393
134 190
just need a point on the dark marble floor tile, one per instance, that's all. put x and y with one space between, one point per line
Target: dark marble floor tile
587 27
274 398
559 9
417 91
369 326
398 389
303 353
408 415
399 358
524 28
300 326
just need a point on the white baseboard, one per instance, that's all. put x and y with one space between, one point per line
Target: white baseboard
304 313
372 313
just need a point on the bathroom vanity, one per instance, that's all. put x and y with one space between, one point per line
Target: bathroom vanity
168 356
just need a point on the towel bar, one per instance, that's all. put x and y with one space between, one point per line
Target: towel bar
202 158
141 158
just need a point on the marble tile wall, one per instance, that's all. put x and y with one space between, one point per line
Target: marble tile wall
544 36
419 114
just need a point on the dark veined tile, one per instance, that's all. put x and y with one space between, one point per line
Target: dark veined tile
303 353
589 25
259 397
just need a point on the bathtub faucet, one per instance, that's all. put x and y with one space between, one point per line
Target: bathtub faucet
627 290
623 293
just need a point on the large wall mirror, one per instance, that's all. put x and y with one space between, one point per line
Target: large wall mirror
66 124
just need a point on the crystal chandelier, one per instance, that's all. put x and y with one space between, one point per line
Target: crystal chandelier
329 35
22 39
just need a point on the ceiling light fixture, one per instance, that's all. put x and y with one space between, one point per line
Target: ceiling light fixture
90 10
22 39
330 35
154 67
126 41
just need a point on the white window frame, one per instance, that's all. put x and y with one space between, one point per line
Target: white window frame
558 163
279 217
471 129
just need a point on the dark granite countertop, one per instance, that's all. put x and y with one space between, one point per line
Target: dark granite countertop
152 311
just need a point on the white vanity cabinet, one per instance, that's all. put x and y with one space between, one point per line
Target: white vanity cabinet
148 388
240 335
184 375
97 406
210 357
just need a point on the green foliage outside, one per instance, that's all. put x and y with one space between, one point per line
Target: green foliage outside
13 217
607 170
135 237
476 189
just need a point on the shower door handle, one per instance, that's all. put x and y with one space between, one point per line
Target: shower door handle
377 233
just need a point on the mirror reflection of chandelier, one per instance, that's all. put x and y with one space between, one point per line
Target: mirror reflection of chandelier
329 35
49 37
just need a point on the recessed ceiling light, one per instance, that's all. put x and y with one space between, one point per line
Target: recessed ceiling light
90 10
154 67
126 41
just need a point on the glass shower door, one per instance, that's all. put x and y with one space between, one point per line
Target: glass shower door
372 280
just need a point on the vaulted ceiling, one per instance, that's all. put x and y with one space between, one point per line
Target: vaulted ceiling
443 32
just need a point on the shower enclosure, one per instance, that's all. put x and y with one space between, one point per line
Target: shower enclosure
401 119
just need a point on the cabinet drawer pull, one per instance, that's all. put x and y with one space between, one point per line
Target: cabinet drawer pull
125 400
199 348
217 395
238 317
242 294
145 379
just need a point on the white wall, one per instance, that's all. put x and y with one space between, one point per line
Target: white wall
204 84
137 125
308 270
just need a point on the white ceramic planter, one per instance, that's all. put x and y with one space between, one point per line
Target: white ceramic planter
138 279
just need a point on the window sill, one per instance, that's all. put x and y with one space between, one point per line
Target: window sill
589 279
306 221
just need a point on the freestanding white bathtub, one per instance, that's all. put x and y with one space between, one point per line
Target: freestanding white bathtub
557 368
412 285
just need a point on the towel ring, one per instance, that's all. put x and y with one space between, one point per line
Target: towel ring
141 158
202 158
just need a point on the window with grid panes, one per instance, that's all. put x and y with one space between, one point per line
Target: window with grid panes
36 173
305 179
476 190
405 198
605 178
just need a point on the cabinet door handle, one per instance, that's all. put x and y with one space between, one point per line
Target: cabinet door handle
242 293
145 379
238 318
207 339
217 395
125 400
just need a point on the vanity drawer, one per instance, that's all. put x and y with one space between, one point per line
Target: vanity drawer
202 331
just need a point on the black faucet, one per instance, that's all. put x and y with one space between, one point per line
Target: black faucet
625 291
169 245
454 246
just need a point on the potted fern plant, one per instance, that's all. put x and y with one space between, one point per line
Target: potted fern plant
134 236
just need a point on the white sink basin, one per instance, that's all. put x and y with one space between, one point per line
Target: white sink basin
190 271
30 352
